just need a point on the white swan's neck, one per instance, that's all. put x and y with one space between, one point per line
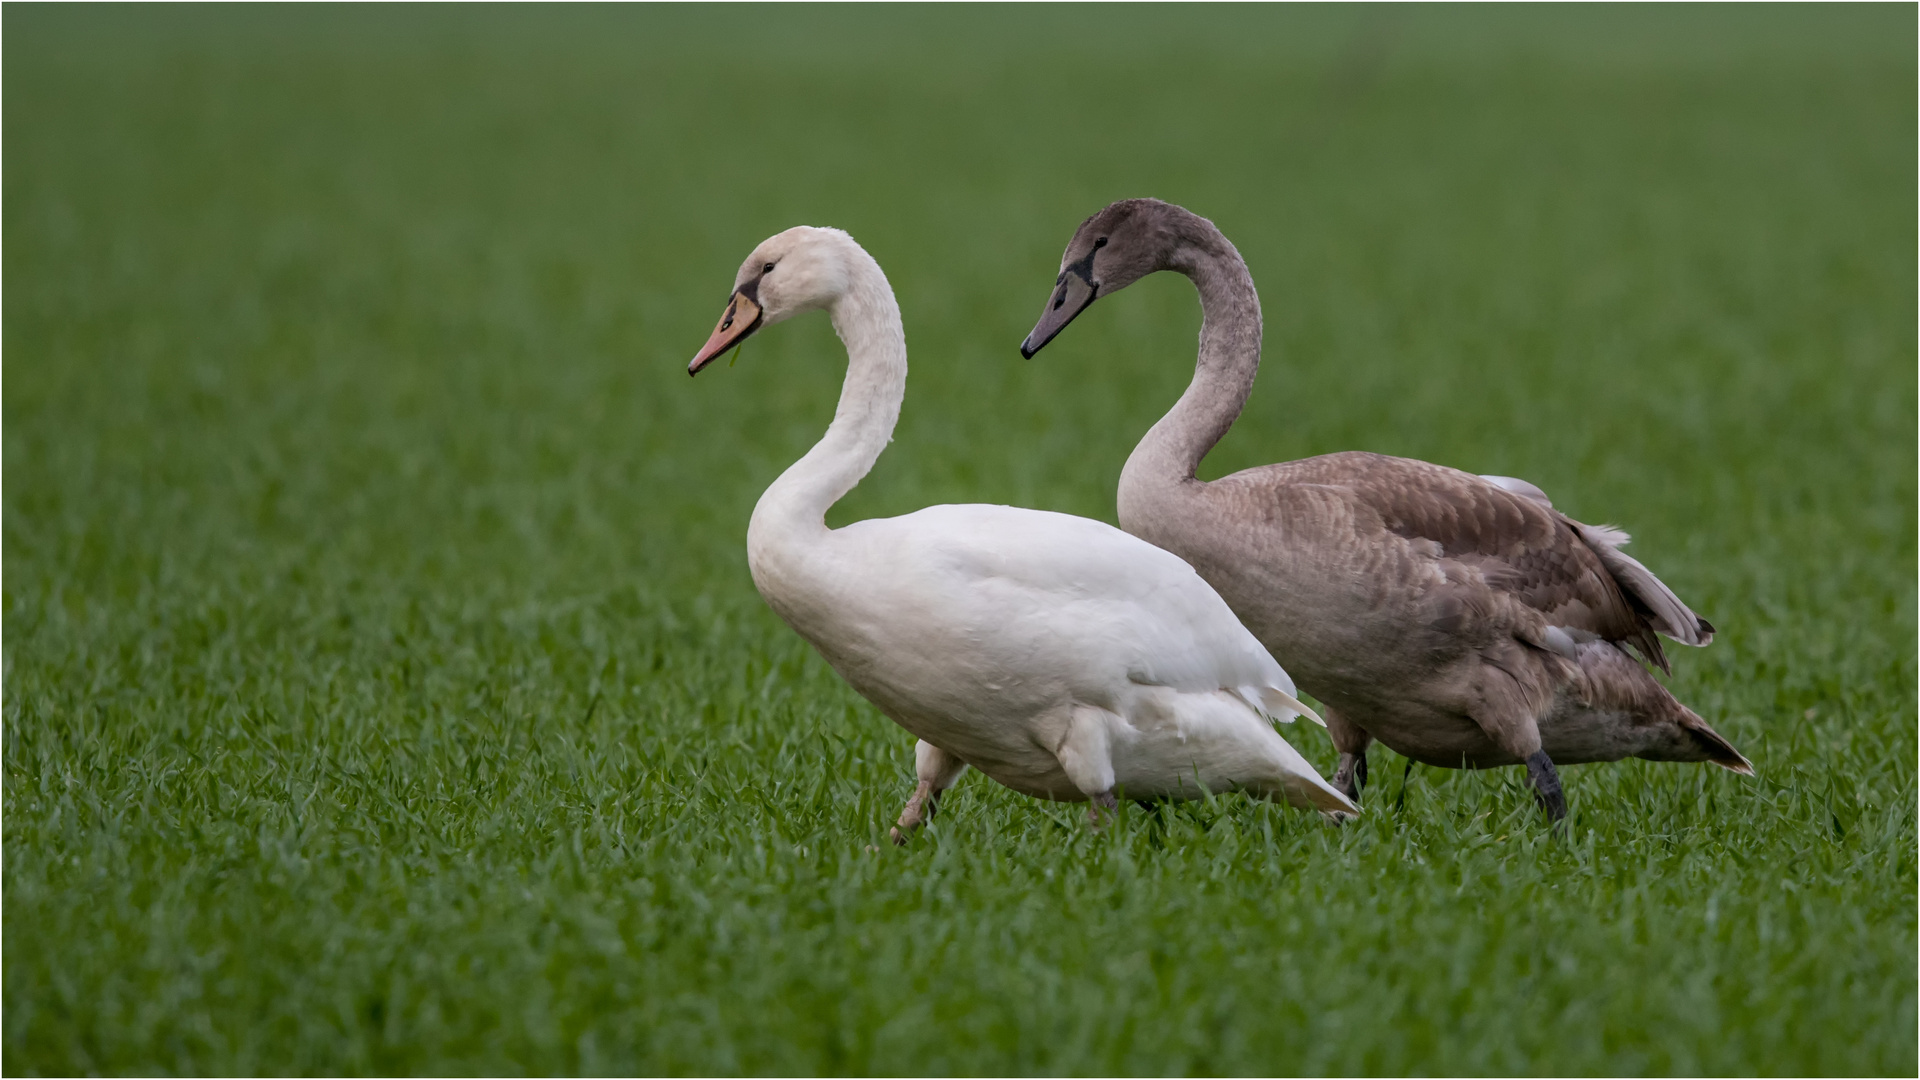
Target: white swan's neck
1223 375
868 321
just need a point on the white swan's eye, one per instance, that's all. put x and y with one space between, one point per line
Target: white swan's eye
767 269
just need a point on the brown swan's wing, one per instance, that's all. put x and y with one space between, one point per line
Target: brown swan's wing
1648 594
1572 574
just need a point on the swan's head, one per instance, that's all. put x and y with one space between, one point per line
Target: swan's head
1113 249
789 273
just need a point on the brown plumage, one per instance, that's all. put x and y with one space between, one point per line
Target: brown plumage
1459 619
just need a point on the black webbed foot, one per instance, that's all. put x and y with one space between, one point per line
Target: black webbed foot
1545 781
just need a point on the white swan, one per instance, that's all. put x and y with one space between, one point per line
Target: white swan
1058 655
1459 619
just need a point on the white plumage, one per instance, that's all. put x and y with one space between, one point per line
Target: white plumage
1060 656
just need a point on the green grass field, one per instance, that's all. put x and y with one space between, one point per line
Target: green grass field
384 687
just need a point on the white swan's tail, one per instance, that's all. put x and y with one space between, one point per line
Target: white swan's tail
1172 744
1302 785
1277 703
1309 791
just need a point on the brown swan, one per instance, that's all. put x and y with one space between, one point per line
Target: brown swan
1459 619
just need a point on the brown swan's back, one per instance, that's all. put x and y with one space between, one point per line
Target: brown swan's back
1522 547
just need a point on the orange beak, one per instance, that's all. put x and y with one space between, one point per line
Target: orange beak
741 319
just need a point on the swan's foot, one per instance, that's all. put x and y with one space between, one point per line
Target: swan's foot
1101 809
1351 776
1544 779
919 810
936 770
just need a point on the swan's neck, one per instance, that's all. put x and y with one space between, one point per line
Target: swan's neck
1222 378
868 322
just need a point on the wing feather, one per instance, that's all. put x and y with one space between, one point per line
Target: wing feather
1575 575
1093 584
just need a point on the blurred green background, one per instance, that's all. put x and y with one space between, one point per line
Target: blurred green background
385 691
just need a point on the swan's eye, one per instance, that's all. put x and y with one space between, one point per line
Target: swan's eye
767 269
1100 243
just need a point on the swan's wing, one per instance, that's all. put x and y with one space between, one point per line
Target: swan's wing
1519 487
1657 602
1572 574
1191 640
1099 591
1644 591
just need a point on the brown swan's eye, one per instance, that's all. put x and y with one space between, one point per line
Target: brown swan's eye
767 269
1100 243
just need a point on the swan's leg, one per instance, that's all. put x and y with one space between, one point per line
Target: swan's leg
1352 742
1515 731
936 770
1545 781
1087 759
1102 808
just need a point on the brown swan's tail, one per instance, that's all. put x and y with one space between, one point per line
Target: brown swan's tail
1662 729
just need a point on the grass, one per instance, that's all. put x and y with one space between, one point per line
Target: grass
385 691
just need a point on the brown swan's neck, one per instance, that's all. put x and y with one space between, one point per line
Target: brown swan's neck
1222 376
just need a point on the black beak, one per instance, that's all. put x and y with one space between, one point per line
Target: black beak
1071 295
